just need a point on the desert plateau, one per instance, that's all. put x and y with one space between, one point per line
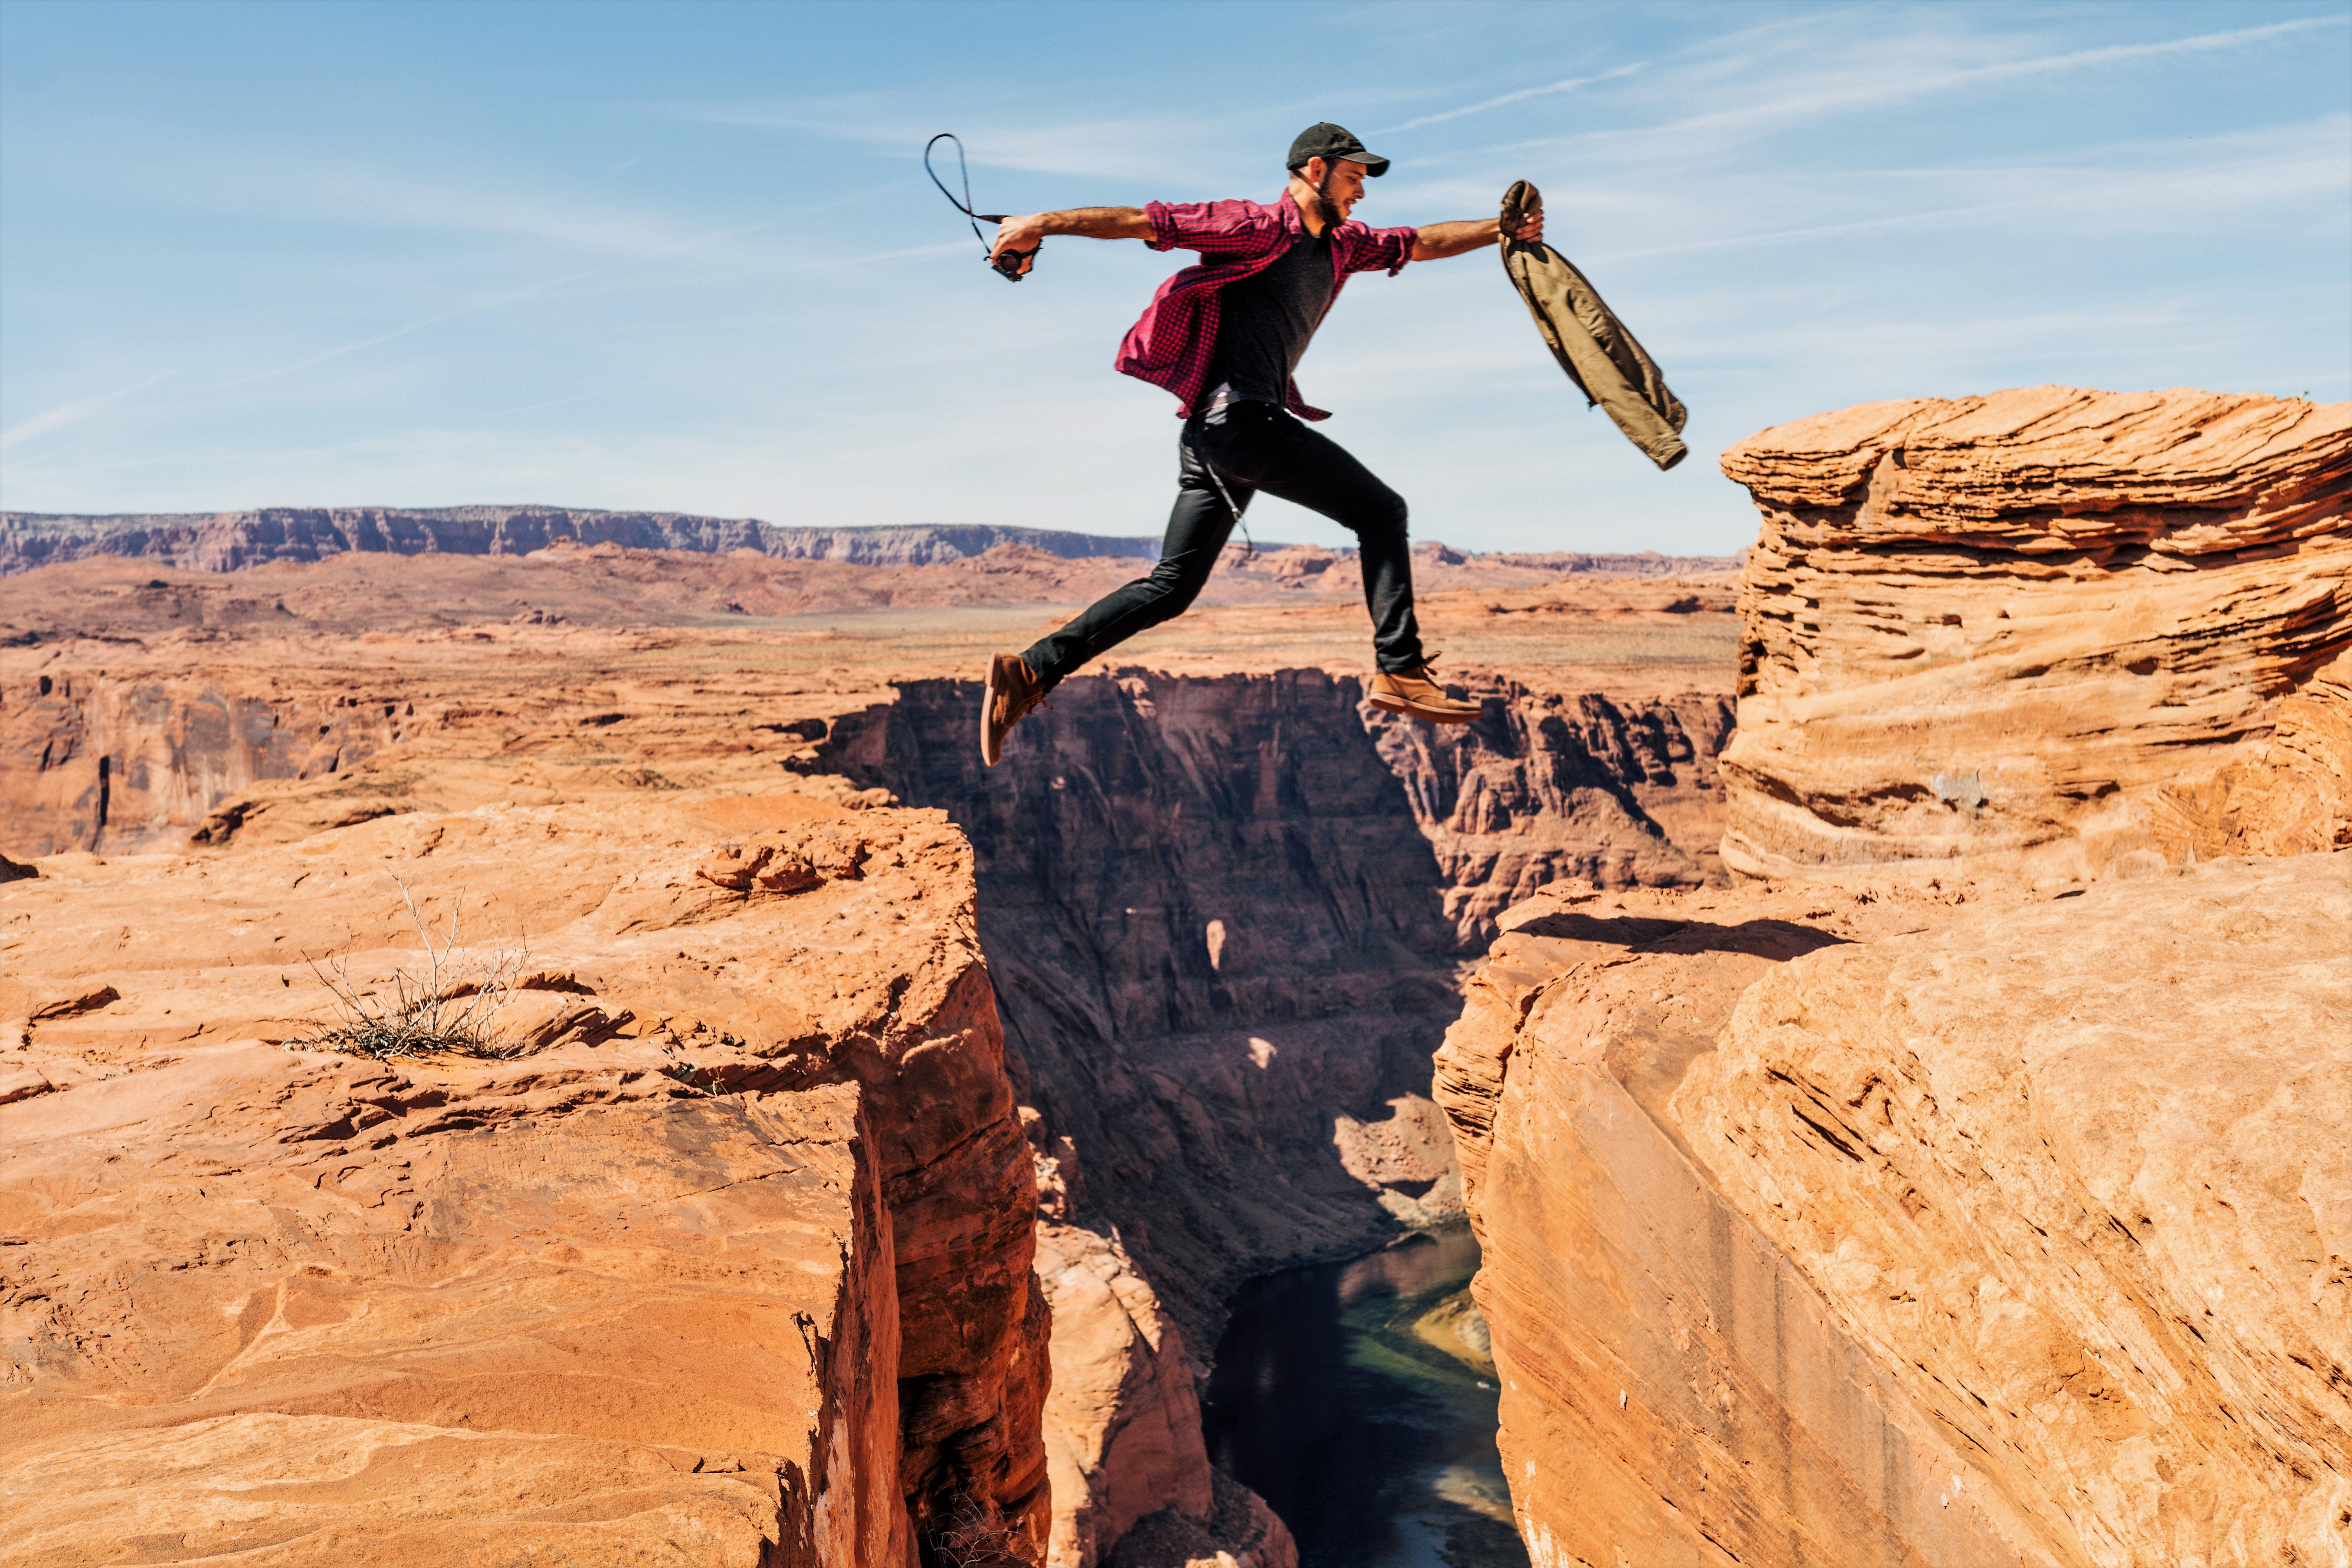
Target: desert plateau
528 1036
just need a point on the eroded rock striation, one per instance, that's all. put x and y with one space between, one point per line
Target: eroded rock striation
1898 1222
1994 627
723 1256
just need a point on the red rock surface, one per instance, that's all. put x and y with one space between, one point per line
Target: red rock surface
1292 1124
2076 1175
2290 794
736 1251
1894 1222
1992 628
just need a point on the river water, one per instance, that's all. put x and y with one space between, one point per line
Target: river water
1356 1398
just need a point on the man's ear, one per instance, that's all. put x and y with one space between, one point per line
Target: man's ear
1315 172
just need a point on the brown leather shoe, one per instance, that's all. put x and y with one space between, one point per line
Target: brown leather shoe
1413 694
1011 691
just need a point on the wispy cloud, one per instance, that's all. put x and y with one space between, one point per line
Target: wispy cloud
1889 87
511 297
551 286
73 413
1569 85
1120 148
2134 187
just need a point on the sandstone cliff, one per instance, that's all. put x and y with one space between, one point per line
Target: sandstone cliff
723 1256
1995 628
1912 1224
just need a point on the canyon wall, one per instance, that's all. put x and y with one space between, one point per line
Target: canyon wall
722 1255
126 765
1996 627
1225 915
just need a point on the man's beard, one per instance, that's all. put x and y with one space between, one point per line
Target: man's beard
1326 211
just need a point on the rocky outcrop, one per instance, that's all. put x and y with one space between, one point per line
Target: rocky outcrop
716 1248
1562 787
1993 628
1131 1479
1122 1423
2076 1175
1917 1223
123 767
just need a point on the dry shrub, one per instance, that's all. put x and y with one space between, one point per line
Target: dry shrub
973 1535
449 1005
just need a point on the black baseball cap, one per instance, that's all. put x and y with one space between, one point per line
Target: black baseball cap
1328 142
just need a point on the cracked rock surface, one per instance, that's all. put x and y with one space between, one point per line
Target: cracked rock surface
730 1261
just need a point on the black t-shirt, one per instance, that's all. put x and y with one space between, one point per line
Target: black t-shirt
1266 319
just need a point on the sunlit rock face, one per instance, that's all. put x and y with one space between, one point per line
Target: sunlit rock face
728 1260
2077 1175
1900 1222
1995 629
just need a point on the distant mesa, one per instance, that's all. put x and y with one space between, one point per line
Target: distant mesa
227 540
230 541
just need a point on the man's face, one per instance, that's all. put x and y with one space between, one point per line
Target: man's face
1341 185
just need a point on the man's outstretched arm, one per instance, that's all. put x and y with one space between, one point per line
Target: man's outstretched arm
1434 240
1025 232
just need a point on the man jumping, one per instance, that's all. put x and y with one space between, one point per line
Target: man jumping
1226 336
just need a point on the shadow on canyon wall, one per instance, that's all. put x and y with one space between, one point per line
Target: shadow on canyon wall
1225 917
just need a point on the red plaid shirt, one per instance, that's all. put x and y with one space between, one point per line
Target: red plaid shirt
1174 342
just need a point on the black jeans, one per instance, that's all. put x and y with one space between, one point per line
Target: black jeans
1253 447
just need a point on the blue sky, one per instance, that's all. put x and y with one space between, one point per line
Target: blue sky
684 256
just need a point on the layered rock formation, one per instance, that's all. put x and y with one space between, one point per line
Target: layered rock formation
1813 1236
1995 628
2290 794
1898 1210
719 1251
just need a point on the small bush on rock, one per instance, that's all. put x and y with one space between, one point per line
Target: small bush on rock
448 1006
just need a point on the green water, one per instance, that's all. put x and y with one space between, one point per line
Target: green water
1351 1398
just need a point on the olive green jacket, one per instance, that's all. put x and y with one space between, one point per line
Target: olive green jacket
1599 355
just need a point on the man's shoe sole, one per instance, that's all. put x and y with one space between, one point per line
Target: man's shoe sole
1391 705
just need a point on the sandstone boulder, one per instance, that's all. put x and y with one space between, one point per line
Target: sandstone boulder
1994 627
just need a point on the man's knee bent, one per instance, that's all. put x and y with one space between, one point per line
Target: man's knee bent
1170 591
